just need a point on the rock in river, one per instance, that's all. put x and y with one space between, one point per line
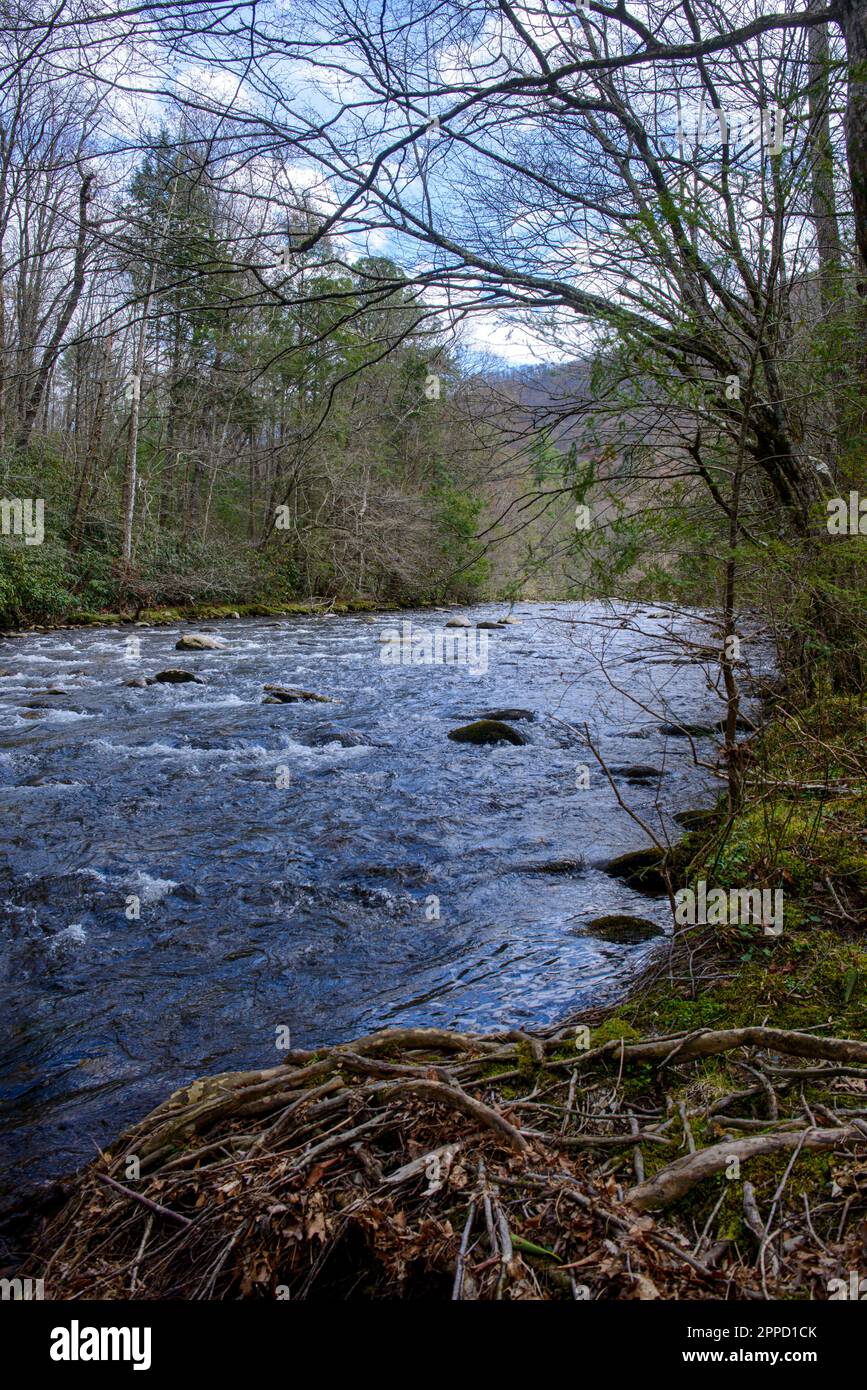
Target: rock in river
686 730
641 869
553 866
636 772
742 725
347 738
458 622
291 695
495 626
197 642
174 676
692 820
623 929
486 731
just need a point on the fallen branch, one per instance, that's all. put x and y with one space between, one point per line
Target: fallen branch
155 1207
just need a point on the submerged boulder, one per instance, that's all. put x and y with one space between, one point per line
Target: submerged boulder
554 866
291 695
494 626
345 737
623 929
198 642
636 772
686 730
487 731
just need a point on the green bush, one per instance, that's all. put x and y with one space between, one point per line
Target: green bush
34 583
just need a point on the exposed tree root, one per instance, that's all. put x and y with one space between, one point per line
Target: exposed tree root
424 1163
678 1178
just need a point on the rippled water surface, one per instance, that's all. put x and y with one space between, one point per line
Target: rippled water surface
311 905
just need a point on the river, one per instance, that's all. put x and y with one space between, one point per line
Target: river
186 870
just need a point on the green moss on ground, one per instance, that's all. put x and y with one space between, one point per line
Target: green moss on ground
814 848
813 977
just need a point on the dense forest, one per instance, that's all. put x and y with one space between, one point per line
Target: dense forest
344 307
199 430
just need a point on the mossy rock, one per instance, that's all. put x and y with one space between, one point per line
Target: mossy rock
693 820
486 731
642 869
525 1059
622 929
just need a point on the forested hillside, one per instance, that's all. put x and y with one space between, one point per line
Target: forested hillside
200 428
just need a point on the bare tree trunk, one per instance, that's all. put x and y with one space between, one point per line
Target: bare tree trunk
33 398
131 475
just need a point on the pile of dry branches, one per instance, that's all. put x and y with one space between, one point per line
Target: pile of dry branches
421 1163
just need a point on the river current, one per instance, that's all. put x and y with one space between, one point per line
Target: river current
186 872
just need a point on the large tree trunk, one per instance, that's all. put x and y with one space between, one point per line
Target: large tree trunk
823 197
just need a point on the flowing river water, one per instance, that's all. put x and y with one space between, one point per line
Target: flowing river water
185 869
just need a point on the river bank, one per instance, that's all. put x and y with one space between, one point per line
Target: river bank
199 613
704 1138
